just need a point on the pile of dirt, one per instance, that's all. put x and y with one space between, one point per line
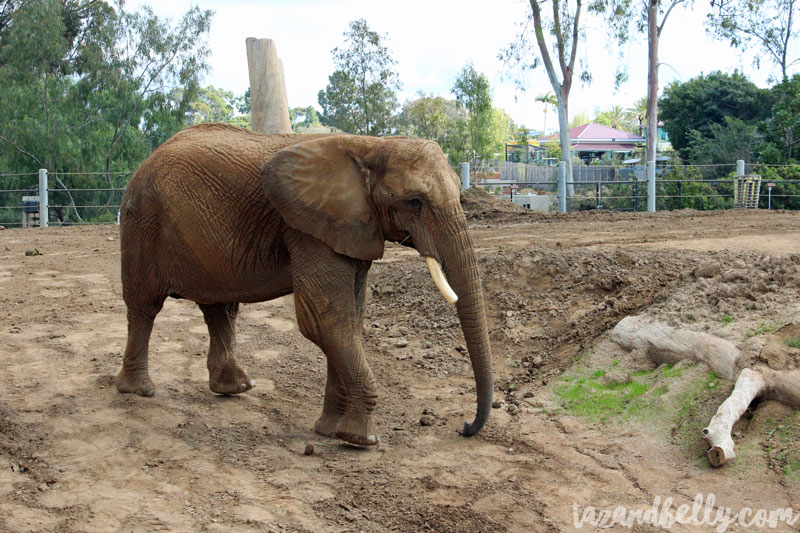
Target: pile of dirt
544 305
479 205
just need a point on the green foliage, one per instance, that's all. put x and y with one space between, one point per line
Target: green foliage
782 129
793 342
440 120
304 118
616 117
211 105
88 88
361 94
706 100
727 319
785 195
724 143
473 94
687 188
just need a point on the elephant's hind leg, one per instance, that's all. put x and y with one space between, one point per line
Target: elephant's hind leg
225 376
134 376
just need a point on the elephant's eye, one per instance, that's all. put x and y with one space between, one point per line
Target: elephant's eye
415 204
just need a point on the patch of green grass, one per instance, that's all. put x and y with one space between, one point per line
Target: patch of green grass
793 342
615 362
693 411
761 329
670 371
585 393
727 319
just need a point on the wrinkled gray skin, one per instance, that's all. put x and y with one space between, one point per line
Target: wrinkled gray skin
202 220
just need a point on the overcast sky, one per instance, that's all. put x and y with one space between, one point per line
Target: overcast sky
433 39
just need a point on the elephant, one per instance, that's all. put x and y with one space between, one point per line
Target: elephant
220 215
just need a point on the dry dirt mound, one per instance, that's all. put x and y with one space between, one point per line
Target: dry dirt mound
479 205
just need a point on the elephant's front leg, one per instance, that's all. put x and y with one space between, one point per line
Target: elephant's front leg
329 290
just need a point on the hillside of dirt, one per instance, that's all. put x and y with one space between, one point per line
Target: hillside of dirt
75 455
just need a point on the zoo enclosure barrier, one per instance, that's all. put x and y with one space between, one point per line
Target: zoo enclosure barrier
639 188
60 198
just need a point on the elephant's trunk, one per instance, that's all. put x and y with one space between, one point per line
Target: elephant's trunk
458 258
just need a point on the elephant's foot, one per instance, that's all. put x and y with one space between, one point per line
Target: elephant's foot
136 382
357 430
230 379
327 425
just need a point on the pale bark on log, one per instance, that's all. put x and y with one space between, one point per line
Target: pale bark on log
751 384
269 107
665 344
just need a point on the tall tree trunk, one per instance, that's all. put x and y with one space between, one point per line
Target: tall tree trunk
652 80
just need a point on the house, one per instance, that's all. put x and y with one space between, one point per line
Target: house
592 142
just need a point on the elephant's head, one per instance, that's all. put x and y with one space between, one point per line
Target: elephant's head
353 193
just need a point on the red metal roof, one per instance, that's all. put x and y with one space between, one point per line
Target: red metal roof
603 147
592 132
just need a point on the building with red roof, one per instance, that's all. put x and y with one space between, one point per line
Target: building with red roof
595 141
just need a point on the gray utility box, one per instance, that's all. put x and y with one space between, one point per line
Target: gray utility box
30 211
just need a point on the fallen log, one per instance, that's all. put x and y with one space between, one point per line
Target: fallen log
665 344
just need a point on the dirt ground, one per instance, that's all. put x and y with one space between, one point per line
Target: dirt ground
75 455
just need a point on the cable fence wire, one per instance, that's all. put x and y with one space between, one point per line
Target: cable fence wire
13 186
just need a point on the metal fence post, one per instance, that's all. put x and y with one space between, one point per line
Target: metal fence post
43 203
464 176
651 186
740 167
562 186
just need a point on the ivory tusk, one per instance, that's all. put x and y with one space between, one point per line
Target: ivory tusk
440 281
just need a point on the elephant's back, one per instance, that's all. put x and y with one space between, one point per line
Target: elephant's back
198 199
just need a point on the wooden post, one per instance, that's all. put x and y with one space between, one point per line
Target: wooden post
268 102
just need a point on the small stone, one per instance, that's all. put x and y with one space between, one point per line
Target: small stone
43 487
2 228
497 404
309 449
511 450
513 409
401 343
110 239
707 269
426 420
461 348
32 251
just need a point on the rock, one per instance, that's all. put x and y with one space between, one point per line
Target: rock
426 420
497 404
110 239
513 409
401 343
2 228
309 449
707 269
43 487
32 251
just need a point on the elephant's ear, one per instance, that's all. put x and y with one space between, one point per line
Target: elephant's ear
320 188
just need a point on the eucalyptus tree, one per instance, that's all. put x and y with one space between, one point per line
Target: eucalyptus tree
770 25
557 33
628 16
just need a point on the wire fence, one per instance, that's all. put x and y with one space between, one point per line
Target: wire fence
700 187
72 198
94 197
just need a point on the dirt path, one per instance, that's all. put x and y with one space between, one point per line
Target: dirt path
77 456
